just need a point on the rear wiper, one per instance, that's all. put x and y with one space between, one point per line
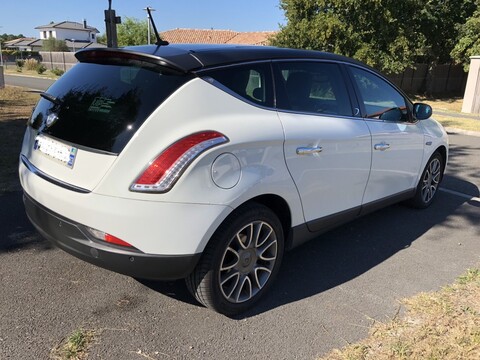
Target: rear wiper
51 98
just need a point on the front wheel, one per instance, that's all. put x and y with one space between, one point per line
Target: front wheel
429 182
240 262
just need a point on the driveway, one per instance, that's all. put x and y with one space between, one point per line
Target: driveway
327 294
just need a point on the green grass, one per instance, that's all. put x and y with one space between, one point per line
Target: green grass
437 325
75 346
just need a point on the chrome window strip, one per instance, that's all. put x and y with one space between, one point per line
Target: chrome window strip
32 168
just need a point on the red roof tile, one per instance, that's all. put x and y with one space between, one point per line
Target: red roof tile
205 36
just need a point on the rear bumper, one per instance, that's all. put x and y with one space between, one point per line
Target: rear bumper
71 237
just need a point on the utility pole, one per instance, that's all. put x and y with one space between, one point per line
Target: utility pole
1 55
111 21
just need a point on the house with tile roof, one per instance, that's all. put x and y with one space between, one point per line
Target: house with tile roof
67 30
24 44
211 36
76 36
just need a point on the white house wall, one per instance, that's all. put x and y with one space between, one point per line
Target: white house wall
68 34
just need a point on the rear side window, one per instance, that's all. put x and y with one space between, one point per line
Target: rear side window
102 106
252 82
313 87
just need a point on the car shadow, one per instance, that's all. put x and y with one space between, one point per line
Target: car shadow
340 255
16 231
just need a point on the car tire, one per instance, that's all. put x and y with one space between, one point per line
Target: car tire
427 187
240 262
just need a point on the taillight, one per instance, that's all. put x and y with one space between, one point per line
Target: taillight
166 169
100 235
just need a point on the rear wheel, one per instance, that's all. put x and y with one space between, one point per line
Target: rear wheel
240 262
429 182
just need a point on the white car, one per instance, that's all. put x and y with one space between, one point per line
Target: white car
208 162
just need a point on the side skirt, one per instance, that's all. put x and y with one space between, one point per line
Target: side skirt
311 230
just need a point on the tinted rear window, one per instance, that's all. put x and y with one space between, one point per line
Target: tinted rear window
102 106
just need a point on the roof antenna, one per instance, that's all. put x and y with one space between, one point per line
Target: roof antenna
159 42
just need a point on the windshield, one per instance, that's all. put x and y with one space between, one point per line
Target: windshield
102 106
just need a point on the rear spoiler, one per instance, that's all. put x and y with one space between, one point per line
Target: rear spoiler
128 57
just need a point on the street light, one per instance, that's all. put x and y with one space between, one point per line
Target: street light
73 41
148 21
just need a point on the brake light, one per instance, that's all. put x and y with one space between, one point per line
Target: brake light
166 169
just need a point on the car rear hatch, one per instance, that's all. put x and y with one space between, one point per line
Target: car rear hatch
87 117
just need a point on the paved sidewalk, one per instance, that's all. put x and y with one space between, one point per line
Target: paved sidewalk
456 114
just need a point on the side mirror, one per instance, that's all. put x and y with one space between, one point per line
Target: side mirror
393 114
422 111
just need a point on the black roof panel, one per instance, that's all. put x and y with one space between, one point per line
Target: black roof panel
191 57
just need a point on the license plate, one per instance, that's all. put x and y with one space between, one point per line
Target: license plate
55 150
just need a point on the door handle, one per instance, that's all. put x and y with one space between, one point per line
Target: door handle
309 150
382 146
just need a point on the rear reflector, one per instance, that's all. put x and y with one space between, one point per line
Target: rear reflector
100 235
114 240
166 169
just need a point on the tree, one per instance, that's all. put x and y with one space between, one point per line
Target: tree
390 35
52 44
102 39
469 40
439 22
381 33
132 32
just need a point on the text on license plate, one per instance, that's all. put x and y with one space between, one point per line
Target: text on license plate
56 150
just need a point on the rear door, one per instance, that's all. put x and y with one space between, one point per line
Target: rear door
327 149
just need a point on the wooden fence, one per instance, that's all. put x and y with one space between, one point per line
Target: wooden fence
58 60
441 80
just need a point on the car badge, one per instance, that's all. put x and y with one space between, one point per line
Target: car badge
51 119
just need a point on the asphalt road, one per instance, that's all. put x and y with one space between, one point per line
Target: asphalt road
328 292
28 82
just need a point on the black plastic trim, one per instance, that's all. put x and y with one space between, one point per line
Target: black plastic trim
68 236
305 232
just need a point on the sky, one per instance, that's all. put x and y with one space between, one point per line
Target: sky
21 17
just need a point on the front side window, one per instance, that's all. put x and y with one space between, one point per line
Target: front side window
314 87
380 99
251 82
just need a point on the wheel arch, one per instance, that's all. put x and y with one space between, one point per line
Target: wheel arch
280 207
442 150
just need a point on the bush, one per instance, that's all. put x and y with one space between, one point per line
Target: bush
31 64
57 72
20 63
41 69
